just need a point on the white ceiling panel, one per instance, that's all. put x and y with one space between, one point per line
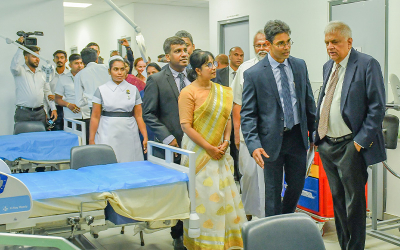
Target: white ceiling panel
72 15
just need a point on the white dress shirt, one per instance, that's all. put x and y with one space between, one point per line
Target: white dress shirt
175 74
336 125
87 81
289 73
237 84
231 76
53 82
65 87
178 80
31 89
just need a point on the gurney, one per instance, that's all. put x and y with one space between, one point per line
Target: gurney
50 148
71 202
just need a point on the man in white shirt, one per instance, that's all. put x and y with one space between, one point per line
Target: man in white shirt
60 59
252 181
65 94
89 78
31 89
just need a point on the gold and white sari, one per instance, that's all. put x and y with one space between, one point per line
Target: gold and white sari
218 201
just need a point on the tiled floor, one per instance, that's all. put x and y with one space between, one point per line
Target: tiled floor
161 240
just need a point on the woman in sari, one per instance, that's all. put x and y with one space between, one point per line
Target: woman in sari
204 111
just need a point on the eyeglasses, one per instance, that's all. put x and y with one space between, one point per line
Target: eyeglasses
210 64
282 45
260 45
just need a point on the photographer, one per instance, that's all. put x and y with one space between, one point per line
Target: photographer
31 89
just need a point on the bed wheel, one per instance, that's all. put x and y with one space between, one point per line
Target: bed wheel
123 230
95 236
141 238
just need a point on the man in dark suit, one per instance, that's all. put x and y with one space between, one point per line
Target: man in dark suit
278 110
225 77
350 112
160 106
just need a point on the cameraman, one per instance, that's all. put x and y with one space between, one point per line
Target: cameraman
31 89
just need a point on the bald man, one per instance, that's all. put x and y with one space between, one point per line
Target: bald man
226 75
222 60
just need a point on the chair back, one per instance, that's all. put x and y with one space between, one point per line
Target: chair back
294 231
29 126
390 127
90 155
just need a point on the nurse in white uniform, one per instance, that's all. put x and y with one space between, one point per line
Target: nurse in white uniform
117 115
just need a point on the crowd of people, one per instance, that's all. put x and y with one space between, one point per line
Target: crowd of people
247 121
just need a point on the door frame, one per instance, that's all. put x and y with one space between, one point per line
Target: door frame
221 25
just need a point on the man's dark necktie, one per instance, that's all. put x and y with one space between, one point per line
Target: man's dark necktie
287 98
182 81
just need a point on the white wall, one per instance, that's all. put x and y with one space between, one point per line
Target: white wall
104 29
156 21
26 15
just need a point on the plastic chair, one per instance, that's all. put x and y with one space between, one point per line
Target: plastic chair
90 155
295 231
390 127
29 126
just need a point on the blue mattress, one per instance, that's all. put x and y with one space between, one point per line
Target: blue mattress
101 178
38 146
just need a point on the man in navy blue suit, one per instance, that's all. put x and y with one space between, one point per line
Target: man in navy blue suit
351 108
278 111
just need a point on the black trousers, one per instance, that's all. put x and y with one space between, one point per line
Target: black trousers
292 160
23 115
177 230
59 123
234 152
347 174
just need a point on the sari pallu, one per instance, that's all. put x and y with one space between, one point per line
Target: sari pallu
218 202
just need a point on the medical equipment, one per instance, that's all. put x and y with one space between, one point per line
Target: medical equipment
139 36
377 228
71 202
48 149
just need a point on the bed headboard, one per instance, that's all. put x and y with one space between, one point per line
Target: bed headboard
76 127
15 200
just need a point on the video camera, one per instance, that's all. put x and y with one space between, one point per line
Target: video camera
29 40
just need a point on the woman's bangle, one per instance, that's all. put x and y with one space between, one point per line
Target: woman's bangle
68 105
229 142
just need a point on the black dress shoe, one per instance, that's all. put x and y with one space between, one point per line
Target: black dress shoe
178 244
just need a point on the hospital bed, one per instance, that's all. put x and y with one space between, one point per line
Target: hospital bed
71 202
36 149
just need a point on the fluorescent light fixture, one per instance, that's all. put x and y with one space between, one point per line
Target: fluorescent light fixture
76 5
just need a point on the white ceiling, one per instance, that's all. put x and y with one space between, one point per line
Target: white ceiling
72 15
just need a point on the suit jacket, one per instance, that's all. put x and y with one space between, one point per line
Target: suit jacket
262 117
362 104
222 76
160 106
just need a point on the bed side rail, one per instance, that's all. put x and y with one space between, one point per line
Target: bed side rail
168 162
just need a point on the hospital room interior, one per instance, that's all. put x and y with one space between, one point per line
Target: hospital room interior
80 171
